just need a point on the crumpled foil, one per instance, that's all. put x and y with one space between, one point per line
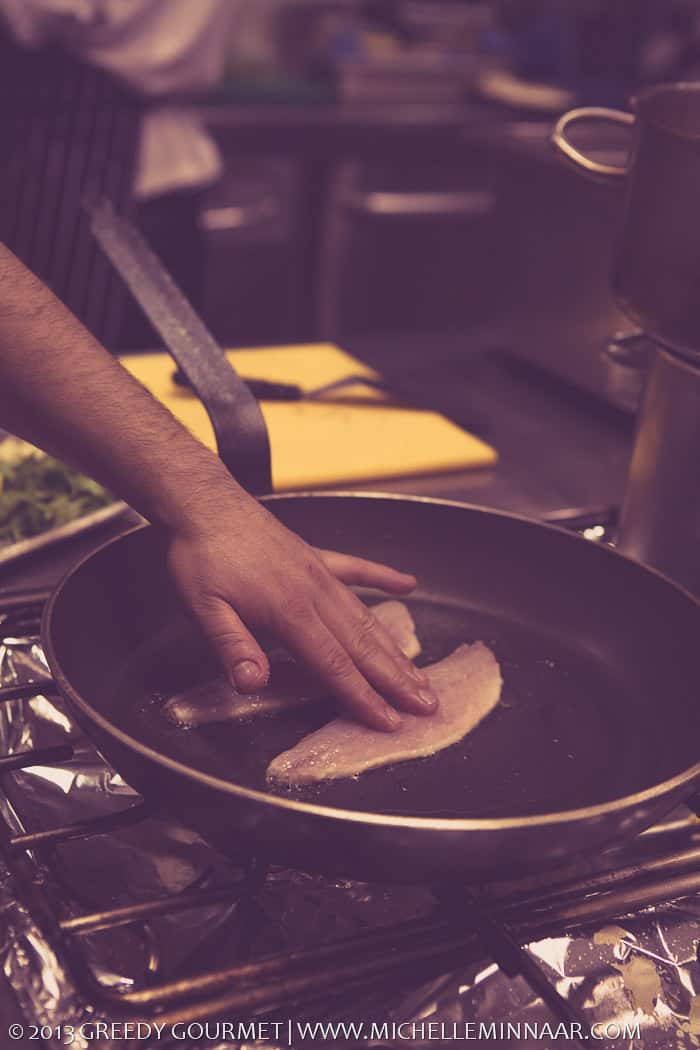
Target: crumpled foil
641 972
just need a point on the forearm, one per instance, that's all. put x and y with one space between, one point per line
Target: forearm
236 566
61 390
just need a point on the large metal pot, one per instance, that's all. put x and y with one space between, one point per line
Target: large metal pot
656 269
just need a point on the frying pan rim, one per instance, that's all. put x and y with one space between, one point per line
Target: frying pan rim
455 825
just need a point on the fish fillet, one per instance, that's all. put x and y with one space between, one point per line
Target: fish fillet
291 684
468 684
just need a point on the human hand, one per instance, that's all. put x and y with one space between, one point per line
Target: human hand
240 569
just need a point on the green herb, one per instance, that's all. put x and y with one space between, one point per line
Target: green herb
39 493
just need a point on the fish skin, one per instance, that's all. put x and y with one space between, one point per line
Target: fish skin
396 618
292 684
468 685
218 701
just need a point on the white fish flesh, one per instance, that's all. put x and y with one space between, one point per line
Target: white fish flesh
291 684
468 685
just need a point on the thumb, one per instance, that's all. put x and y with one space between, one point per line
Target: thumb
243 660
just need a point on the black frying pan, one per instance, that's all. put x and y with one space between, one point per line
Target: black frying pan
596 734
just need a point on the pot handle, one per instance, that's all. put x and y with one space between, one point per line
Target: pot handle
238 423
592 168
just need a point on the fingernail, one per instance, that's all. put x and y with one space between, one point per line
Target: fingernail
247 676
428 698
393 718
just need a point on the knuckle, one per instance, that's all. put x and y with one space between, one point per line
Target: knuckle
317 572
366 643
338 664
293 609
227 639
394 678
205 601
399 678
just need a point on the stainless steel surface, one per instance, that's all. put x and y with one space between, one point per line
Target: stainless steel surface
655 278
396 204
476 237
12 552
576 156
628 356
656 270
660 521
505 277
233 217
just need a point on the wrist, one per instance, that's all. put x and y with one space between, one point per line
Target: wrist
191 502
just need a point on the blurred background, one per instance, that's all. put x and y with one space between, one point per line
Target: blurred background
333 169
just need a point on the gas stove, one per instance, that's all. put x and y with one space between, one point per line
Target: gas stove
122 929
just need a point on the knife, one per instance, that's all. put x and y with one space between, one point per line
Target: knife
267 390
406 389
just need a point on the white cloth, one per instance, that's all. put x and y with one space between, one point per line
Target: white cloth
176 152
160 48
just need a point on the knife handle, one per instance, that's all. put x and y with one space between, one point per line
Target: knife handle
262 389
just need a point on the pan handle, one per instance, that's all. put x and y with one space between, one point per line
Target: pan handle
239 426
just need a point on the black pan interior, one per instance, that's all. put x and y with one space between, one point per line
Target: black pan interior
599 658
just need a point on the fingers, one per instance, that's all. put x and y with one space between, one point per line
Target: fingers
362 573
377 656
243 660
277 581
312 640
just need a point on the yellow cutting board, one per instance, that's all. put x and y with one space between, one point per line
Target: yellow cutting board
357 435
